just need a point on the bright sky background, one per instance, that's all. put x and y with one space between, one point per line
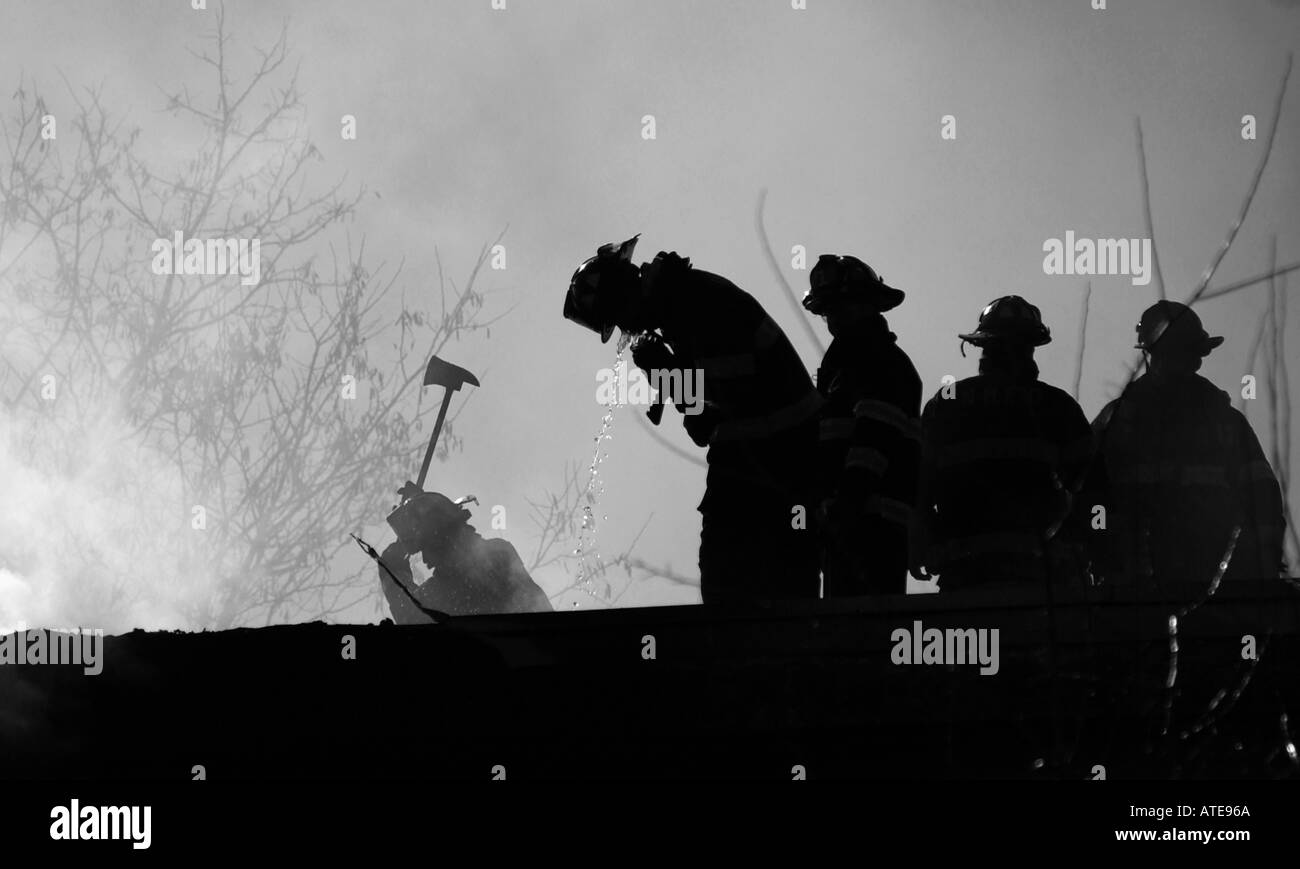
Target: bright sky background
470 120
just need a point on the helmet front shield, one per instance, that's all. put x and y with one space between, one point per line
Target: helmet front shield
593 291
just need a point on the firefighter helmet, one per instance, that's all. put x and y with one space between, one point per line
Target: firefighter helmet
595 289
1173 327
837 279
424 516
1010 318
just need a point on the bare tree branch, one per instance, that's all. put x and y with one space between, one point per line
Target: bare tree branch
1083 340
1254 186
1146 210
791 296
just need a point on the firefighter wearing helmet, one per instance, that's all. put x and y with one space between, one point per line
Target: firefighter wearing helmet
1003 456
471 575
1188 482
869 436
757 417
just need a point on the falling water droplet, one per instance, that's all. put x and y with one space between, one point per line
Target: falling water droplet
589 563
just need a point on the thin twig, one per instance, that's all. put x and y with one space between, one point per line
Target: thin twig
1280 392
1248 282
665 573
1274 364
665 443
791 296
1083 339
1254 186
1146 207
1254 353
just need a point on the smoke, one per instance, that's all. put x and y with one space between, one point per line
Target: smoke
94 530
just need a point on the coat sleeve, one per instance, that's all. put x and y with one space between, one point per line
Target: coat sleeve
885 444
1099 537
404 611
1260 496
1077 447
922 532
698 418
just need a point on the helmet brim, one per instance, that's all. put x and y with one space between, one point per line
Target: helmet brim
814 303
882 298
980 338
888 298
574 313
1207 346
426 516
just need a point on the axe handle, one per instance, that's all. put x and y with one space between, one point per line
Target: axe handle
433 441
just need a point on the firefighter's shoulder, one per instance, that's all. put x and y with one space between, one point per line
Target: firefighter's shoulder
883 371
1104 419
705 287
499 551
949 394
898 367
1058 402
704 302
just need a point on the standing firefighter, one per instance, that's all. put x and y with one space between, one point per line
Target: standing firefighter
757 416
1184 467
471 575
870 437
1002 456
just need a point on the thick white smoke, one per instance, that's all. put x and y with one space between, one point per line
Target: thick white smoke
94 529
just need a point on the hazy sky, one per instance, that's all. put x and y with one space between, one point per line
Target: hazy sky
471 119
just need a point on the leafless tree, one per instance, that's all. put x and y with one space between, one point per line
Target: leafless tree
244 388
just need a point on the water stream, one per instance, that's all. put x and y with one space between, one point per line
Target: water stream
590 570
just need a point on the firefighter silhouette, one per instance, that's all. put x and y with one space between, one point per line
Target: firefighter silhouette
1003 456
758 417
869 436
471 575
1184 469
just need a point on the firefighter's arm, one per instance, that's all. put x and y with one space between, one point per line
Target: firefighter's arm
883 434
1091 525
698 417
921 531
399 603
699 423
650 352
1101 540
1078 445
1261 496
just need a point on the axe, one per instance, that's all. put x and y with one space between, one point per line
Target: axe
450 378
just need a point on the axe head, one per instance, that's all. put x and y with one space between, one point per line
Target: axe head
453 377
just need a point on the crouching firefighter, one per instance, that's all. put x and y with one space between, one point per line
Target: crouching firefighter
1004 457
870 434
471 575
757 416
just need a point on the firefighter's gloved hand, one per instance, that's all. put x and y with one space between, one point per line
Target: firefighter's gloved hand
651 353
918 544
700 426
